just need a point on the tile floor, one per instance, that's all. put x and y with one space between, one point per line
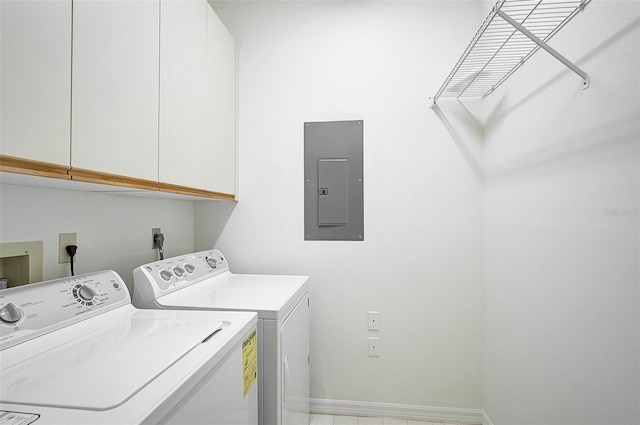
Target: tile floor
318 419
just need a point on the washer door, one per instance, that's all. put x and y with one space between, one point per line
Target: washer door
105 366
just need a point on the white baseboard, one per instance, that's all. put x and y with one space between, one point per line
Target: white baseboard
404 411
485 419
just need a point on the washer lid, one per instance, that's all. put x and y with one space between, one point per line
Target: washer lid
271 296
100 367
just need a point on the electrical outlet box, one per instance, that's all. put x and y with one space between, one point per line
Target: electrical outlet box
154 232
65 239
374 320
374 347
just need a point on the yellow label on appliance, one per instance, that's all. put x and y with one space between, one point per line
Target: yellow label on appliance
250 360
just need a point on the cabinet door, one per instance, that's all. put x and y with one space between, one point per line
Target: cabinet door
221 105
115 87
183 38
197 98
35 58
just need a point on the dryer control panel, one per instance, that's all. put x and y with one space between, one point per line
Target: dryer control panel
32 310
161 277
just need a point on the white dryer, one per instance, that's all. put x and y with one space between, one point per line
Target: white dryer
75 351
202 281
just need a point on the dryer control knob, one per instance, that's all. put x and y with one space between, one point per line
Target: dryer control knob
10 313
166 275
86 292
190 268
212 262
179 271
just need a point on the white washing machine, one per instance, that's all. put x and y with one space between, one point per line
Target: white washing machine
202 281
76 351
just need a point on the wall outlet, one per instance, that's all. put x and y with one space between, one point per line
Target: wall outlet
374 347
154 232
65 239
374 320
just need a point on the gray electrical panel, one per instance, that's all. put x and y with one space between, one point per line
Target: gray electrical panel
334 181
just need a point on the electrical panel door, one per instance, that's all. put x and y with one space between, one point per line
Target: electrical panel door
334 181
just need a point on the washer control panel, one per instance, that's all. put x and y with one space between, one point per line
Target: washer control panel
180 271
32 310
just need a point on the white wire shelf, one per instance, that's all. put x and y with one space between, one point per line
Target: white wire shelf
511 34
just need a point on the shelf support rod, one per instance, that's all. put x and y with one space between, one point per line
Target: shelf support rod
545 46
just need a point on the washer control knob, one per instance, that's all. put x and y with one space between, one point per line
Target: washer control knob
166 275
190 268
212 262
178 271
87 293
10 313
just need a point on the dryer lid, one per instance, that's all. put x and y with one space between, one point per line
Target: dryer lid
106 366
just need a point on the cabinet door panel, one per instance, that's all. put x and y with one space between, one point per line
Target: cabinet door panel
182 91
35 46
221 104
197 98
115 87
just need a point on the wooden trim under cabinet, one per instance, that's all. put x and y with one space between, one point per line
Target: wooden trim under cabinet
31 167
90 176
190 191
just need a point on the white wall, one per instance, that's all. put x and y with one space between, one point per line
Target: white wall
114 231
562 231
420 263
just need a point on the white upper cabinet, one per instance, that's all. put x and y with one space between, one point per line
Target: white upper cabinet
115 87
197 98
135 93
35 70
221 105
183 46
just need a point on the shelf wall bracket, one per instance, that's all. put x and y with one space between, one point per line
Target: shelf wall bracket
549 49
